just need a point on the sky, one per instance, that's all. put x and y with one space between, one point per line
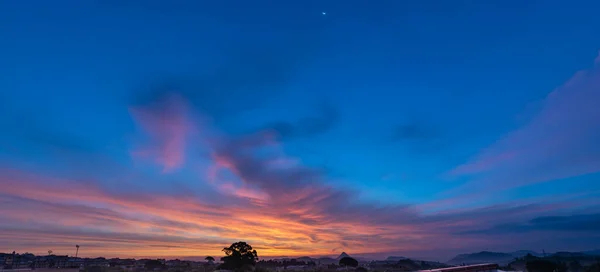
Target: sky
412 128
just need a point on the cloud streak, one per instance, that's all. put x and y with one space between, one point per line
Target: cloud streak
266 197
168 128
326 118
559 142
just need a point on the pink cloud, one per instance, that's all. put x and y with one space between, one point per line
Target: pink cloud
561 141
61 208
299 219
264 196
168 126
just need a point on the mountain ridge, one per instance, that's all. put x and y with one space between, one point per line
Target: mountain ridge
504 258
482 257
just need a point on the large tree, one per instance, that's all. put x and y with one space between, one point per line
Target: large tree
209 259
239 255
348 261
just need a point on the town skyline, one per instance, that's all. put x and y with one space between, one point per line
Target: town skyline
409 128
242 256
360 257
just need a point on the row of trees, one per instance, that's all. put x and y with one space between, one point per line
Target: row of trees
559 263
550 266
241 257
284 263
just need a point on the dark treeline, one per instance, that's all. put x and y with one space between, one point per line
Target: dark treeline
284 263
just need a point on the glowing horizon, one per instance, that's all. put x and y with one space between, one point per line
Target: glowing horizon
290 140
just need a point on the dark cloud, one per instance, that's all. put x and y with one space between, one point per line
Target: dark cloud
99 237
571 223
80 211
296 189
244 81
242 153
325 119
31 136
248 73
584 222
419 137
29 126
414 131
300 188
166 246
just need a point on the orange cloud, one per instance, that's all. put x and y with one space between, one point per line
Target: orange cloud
63 210
263 196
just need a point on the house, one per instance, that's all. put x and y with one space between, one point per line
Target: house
75 262
60 261
101 262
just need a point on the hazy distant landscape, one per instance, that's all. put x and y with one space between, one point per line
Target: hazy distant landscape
241 257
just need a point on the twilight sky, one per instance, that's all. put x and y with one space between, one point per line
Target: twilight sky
415 128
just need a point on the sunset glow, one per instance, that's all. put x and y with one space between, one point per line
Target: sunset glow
293 147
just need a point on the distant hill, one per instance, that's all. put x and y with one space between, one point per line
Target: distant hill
326 260
523 253
404 264
593 252
500 258
482 257
583 258
395 258
569 254
409 265
305 259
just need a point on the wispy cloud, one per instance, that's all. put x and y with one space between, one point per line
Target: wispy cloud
419 137
326 118
573 223
413 131
266 197
561 141
167 125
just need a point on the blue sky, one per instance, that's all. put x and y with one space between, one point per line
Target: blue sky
446 107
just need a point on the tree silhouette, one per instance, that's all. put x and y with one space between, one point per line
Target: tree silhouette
348 261
239 255
209 259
